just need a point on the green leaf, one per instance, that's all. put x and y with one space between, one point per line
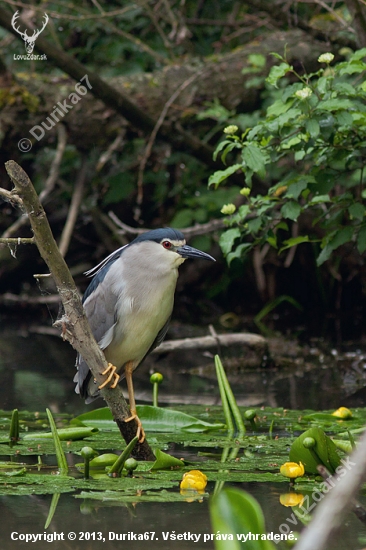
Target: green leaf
335 104
277 72
254 158
239 252
352 68
227 239
154 419
344 118
319 198
257 59
220 175
294 241
65 434
221 146
357 210
254 225
312 127
291 210
164 461
324 449
296 188
278 108
235 514
324 255
361 239
342 236
60 455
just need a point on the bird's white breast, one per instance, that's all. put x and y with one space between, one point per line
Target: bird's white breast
145 291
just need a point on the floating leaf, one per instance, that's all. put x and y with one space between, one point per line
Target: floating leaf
164 461
154 419
65 434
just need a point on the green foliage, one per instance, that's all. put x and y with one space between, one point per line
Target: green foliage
235 513
323 452
308 149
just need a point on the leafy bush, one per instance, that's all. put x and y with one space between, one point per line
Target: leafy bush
308 150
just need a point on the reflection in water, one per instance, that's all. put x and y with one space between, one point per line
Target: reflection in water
36 371
28 514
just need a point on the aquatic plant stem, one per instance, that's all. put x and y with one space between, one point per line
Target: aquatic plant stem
224 401
230 398
60 455
117 467
14 428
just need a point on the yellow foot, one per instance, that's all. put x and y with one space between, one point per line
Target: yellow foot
112 373
140 430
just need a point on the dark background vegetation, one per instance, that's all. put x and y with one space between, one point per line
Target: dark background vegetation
179 63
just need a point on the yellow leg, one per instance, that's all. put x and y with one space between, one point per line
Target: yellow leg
131 396
112 373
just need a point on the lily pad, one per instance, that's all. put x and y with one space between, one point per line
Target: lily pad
164 461
65 434
154 419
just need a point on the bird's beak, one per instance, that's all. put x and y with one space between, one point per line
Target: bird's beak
189 252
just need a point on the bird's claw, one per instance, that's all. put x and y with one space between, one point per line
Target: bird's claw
140 430
111 369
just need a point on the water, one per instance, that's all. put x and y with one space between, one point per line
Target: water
36 372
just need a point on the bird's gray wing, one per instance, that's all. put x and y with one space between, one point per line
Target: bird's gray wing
159 338
99 303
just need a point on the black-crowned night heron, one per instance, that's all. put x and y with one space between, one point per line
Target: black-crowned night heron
129 304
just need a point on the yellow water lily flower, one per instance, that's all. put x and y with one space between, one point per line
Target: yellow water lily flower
195 480
292 469
291 499
343 413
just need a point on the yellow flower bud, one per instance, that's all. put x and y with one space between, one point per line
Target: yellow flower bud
231 129
326 58
245 191
193 481
343 413
304 93
292 469
228 209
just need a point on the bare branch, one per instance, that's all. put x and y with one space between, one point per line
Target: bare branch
152 137
197 229
56 163
18 240
50 182
77 197
75 327
206 342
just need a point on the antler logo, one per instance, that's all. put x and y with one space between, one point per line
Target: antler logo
29 40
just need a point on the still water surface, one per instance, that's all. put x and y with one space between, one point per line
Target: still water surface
36 372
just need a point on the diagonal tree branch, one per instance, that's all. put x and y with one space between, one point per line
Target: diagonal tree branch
75 327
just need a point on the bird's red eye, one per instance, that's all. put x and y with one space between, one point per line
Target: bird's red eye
167 244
